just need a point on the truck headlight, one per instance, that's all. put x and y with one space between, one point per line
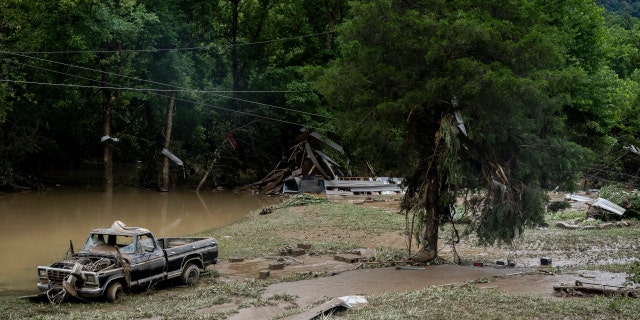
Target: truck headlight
42 273
91 279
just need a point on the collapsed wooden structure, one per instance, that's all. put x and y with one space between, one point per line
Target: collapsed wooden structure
308 169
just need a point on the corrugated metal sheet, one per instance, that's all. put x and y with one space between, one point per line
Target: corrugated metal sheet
609 206
576 197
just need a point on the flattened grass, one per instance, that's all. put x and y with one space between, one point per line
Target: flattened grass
258 235
473 303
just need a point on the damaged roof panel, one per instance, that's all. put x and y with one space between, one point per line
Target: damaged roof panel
609 206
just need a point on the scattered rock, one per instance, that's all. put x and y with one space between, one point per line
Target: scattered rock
606 226
298 252
276 266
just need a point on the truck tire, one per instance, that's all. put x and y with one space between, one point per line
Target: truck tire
190 274
114 291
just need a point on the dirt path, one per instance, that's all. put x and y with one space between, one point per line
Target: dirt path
369 282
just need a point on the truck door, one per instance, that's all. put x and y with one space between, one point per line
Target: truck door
152 257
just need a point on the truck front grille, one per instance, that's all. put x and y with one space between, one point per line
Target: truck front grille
57 276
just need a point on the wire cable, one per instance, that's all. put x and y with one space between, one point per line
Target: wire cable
155 92
174 88
218 46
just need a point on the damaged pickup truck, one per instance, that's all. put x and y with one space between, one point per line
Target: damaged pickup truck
122 258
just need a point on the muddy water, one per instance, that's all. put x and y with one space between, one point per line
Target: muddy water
35 227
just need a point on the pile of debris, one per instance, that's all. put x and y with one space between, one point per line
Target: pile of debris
305 169
308 169
599 208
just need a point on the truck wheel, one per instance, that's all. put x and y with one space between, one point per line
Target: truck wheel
114 291
190 274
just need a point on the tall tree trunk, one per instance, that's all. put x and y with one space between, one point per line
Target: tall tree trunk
333 10
428 196
431 218
167 142
108 99
107 148
235 74
107 154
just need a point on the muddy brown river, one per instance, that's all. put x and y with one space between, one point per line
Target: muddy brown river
35 227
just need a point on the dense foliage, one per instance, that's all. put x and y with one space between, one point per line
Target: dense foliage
547 91
232 65
528 79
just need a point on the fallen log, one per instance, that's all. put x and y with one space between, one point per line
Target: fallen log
566 225
580 290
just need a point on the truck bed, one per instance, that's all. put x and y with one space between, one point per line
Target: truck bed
168 243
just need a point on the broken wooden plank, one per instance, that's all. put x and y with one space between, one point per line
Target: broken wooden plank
327 141
311 155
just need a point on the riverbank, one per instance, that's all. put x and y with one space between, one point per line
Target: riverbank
376 231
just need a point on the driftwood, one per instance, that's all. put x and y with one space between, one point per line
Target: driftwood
17 187
566 225
583 289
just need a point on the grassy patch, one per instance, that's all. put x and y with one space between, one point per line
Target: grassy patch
259 235
473 303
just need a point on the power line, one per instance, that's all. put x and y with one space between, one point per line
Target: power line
156 93
151 91
155 90
242 112
69 85
174 88
177 88
176 49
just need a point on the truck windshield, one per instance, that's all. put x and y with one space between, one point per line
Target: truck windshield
107 242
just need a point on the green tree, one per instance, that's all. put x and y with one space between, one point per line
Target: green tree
262 54
411 73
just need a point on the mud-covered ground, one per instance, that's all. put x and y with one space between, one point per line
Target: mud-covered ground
337 277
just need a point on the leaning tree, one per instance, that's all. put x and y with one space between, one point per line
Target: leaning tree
472 97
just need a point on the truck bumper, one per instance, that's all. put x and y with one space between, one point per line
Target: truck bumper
90 292
43 287
82 292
